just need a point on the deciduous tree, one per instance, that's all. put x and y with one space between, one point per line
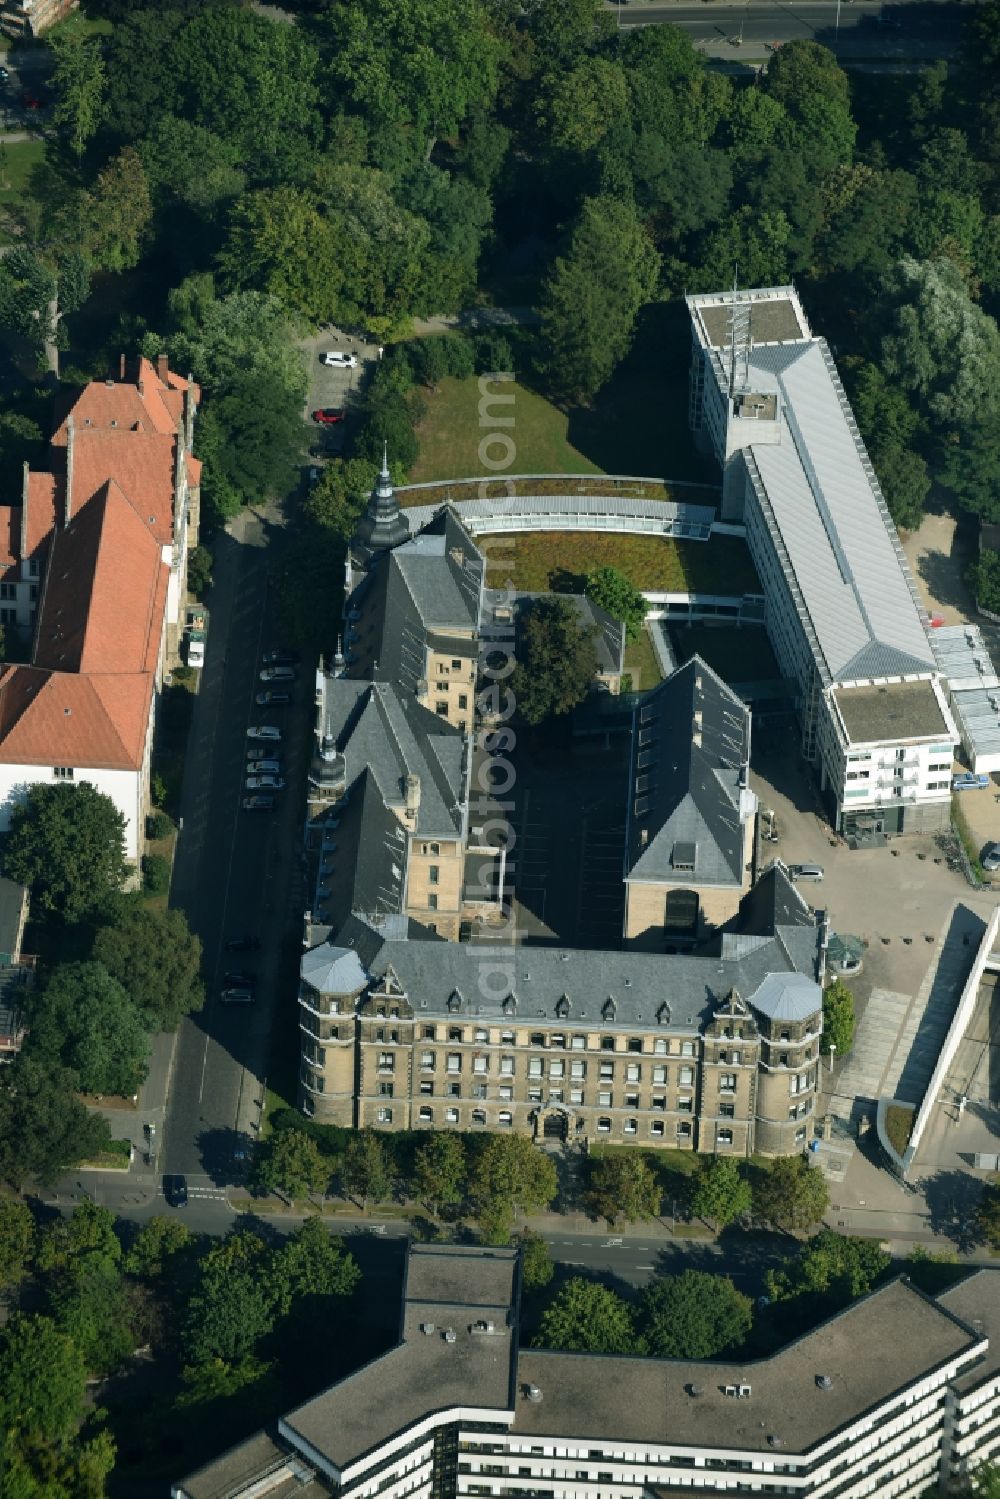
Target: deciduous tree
440 1171
78 81
988 1214
622 1186
159 1245
310 1269
790 1194
16 1232
721 1193
43 1127
585 1317
509 1176
838 1019
156 958
290 1162
693 1315
120 211
557 660
537 1268
84 1020
366 1172
234 1302
836 1267
609 587
67 843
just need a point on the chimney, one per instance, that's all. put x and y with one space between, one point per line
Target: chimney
68 506
121 368
24 511
412 796
162 367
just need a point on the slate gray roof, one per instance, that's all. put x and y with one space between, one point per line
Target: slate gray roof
361 866
333 970
686 795
11 906
787 996
422 593
820 488
567 986
379 725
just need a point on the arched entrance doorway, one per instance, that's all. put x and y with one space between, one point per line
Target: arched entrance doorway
554 1126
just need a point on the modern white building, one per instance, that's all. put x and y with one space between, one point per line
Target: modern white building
841 608
891 1398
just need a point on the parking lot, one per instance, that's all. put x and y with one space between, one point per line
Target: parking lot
332 388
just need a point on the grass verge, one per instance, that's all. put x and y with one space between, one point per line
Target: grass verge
117 1157
560 560
960 823
641 663
452 430
18 160
898 1126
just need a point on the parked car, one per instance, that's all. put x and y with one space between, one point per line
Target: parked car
967 780
30 101
4 75
328 416
243 944
263 767
277 674
239 980
990 857
258 803
264 731
280 657
273 699
265 783
175 1191
805 871
237 996
337 359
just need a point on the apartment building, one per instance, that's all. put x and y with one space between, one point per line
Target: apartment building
96 576
717 1051
874 1402
691 816
413 617
841 608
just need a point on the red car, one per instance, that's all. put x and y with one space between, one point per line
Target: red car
328 416
30 101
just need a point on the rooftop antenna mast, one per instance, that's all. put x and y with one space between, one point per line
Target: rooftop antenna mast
739 342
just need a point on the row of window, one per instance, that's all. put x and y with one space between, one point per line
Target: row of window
577 1096
505 1120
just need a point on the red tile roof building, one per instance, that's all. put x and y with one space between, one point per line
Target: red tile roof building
93 563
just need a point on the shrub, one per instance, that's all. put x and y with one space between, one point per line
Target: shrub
494 354
460 356
156 874
200 564
158 825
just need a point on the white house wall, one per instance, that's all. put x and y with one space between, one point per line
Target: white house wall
123 787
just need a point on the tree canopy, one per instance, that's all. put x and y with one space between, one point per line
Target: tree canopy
790 1194
693 1315
43 1127
622 1186
557 660
721 1193
609 587
585 1317
838 1019
85 1021
67 844
156 958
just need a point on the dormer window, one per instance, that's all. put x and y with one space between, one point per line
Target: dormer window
454 1002
609 1009
510 1004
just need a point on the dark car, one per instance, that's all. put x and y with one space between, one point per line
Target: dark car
30 101
4 75
243 944
238 979
259 802
328 416
273 699
280 657
277 674
175 1191
990 858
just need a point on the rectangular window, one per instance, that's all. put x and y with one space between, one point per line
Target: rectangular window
537 1039
454 1090
425 1115
505 1119
607 1043
386 1061
578 1069
463 700
456 666
687 1048
384 1116
607 1070
432 902
604 1126
576 1096
454 1061
534 1066
429 1032
578 1043
478 1090
426 1088
631 1100
683 1130
385 1090
63 772
534 1095
434 873
480 1064
633 1072
455 1033
723 1136
631 1126
727 1082
427 1061
604 1099
479 1117
656 1128
557 1069
658 1101
660 1046
659 1075
506 1092
727 1110
558 1040
686 1077
507 1038
451 1116
506 1066
685 1105
480 1036
8 591
635 1043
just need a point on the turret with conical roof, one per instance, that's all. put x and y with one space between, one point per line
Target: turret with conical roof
383 524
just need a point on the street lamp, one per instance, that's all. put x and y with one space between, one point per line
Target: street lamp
833 1048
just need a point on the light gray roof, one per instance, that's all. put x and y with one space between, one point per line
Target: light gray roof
333 970
480 514
787 996
963 656
833 521
685 791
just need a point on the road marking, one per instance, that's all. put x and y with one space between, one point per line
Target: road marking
572 1262
645 1267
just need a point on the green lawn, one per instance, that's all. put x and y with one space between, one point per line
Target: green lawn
737 654
560 560
641 663
21 157
451 432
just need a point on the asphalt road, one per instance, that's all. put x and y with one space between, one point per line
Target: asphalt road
235 873
866 29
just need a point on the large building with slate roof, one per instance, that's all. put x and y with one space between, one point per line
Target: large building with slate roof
691 814
842 611
714 1051
894 1396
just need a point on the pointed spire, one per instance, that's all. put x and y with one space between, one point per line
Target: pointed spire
385 460
383 524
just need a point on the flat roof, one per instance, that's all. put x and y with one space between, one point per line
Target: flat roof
963 656
977 1301
870 1352
775 316
895 710
460 1276
258 1457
